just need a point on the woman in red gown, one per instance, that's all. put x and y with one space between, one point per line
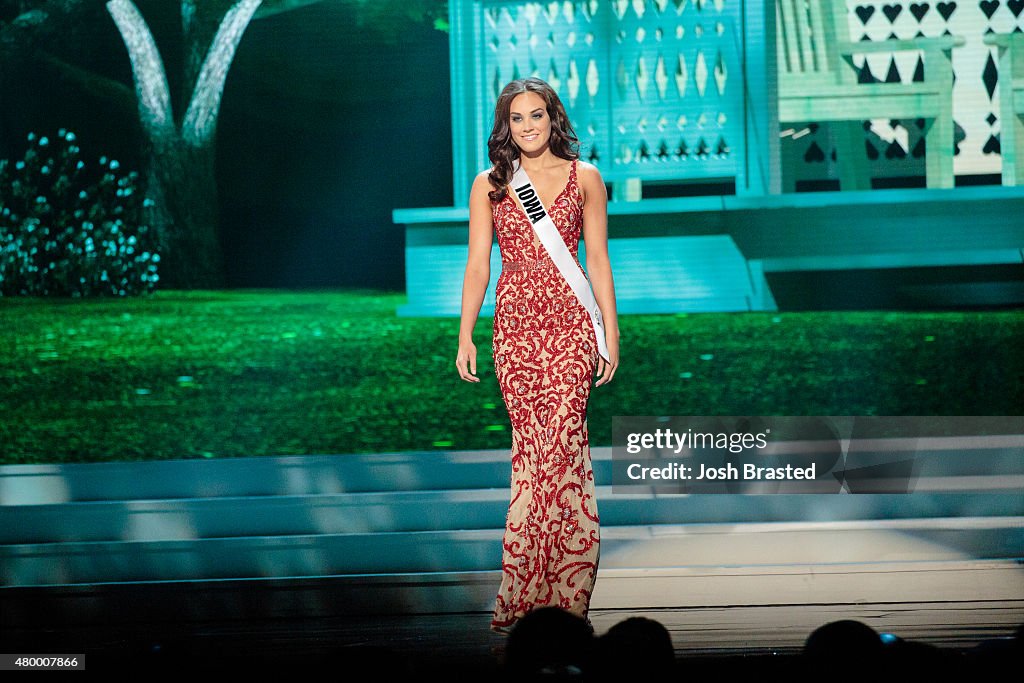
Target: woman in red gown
545 349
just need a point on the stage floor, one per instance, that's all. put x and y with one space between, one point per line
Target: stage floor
750 635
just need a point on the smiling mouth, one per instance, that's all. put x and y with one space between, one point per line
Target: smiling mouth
531 138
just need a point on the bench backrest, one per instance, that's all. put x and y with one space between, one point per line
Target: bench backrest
807 33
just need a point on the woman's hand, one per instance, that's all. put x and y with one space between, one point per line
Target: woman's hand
465 361
606 368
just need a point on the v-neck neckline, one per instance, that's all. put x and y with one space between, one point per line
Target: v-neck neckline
522 212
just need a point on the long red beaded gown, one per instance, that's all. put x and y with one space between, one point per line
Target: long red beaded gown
544 358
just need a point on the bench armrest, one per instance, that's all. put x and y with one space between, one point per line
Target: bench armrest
1004 39
938 43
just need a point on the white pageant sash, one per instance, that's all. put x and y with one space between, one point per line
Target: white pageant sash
559 253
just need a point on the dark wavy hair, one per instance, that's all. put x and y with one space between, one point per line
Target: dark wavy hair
502 149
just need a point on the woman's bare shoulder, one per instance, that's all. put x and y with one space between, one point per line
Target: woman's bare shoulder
484 178
482 181
590 181
587 171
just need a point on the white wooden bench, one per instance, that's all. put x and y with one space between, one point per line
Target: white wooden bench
818 83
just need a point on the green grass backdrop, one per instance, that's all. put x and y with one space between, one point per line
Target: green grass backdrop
268 372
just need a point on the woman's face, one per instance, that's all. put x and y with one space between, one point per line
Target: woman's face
529 122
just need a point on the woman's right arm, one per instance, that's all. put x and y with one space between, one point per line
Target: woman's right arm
478 274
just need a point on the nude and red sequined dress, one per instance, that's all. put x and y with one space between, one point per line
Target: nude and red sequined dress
545 354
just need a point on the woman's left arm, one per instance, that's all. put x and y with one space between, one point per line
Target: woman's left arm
595 235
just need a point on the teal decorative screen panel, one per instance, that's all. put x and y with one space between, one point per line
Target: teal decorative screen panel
654 88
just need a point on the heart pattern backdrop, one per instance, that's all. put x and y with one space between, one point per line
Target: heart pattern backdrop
896 148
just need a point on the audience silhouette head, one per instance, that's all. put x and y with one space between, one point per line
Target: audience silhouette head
636 648
549 641
845 638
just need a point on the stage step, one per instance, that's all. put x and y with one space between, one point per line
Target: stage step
765 547
411 511
966 463
262 476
